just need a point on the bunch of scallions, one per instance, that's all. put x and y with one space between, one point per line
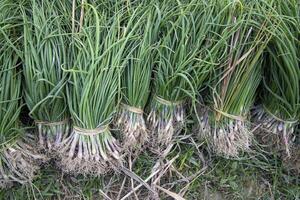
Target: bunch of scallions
248 27
45 56
181 37
99 54
17 156
136 77
279 113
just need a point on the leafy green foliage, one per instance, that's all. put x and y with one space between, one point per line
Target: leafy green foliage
10 95
45 54
182 33
10 77
97 62
137 73
281 83
248 30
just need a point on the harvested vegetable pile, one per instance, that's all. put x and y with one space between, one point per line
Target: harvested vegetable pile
106 86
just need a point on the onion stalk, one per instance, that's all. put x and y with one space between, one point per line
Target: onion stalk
279 112
225 122
136 78
45 54
180 41
99 54
18 158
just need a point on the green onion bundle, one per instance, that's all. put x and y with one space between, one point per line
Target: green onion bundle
280 109
176 60
236 77
17 162
99 54
136 78
45 56
17 157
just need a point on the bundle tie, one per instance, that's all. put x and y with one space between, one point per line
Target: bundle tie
278 118
167 102
47 123
90 132
238 118
132 109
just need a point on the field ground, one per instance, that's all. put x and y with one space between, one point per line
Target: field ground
190 170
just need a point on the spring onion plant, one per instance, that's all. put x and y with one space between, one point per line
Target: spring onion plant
248 29
280 109
44 84
17 156
173 83
136 78
99 54
17 162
